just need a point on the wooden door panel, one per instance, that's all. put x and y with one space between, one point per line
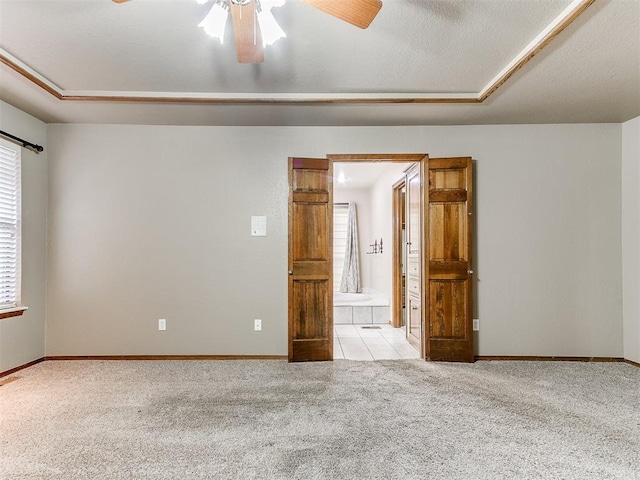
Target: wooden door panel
309 270
309 231
310 303
310 260
451 163
449 295
449 351
448 309
453 178
310 197
310 180
447 231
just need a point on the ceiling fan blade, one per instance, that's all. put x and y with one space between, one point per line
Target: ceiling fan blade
247 33
356 12
120 1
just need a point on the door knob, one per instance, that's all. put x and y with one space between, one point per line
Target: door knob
290 272
470 272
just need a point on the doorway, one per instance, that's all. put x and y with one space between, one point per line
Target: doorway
364 251
438 293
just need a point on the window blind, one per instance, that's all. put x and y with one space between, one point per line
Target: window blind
9 227
340 221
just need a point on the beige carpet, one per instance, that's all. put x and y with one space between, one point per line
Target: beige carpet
340 420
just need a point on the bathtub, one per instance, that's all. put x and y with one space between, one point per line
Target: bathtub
345 299
360 308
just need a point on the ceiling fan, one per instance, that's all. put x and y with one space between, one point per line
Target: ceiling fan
247 32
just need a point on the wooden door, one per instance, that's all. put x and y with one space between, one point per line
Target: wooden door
310 259
449 322
398 317
413 278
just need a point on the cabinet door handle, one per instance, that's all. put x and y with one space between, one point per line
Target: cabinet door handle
470 272
290 272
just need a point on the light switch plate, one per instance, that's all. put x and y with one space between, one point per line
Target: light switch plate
258 226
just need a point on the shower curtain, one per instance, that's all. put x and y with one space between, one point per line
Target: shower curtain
350 282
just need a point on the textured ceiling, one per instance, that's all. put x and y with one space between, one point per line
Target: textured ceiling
362 175
589 73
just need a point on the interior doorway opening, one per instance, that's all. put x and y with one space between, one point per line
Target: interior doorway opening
439 293
369 261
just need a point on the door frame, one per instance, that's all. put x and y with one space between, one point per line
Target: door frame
398 207
422 160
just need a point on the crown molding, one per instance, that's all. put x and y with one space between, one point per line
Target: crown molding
572 12
562 21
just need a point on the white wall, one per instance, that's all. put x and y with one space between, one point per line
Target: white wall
22 338
382 228
151 222
631 237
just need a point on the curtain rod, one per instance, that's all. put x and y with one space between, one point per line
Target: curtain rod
25 144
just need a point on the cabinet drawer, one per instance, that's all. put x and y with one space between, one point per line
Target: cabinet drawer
413 266
413 288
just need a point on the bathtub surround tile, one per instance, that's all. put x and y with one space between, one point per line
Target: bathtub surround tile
362 315
381 314
364 308
342 315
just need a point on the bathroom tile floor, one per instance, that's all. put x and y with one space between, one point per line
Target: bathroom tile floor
352 342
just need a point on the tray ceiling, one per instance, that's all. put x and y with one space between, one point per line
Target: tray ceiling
414 51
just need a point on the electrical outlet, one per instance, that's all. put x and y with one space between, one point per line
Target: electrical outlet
257 325
162 324
476 324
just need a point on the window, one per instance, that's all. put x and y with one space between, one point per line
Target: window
9 228
340 221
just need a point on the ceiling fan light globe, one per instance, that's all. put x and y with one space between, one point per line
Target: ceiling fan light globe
271 31
215 22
